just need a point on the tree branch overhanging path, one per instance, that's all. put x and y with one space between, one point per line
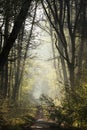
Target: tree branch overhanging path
60 27
13 35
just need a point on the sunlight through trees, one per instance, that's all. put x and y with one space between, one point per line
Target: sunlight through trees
43 55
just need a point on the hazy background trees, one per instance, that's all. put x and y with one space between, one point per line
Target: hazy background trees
67 27
67 20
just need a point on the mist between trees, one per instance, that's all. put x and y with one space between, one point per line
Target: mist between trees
25 28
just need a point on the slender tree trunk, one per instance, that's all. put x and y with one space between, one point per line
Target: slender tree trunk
16 28
71 75
83 22
6 33
17 72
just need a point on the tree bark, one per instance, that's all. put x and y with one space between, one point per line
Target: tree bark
71 75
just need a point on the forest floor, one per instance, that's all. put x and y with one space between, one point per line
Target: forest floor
39 122
42 124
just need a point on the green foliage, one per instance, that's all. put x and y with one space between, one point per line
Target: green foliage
75 108
17 123
73 112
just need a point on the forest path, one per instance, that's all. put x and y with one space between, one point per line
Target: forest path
42 124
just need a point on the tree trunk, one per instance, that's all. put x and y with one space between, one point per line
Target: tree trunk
71 74
16 28
6 33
